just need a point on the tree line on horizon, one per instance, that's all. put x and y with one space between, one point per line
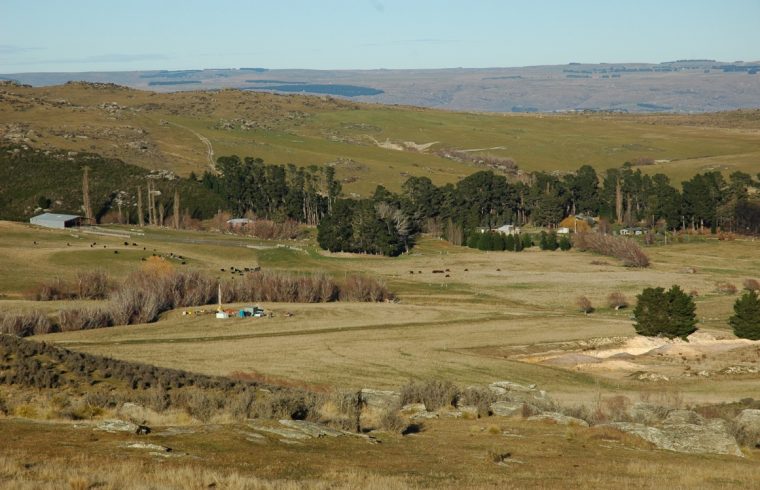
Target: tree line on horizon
387 222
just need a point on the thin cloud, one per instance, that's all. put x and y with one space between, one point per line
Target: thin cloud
404 42
100 58
11 49
377 5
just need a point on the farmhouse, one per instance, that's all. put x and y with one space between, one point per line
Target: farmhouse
632 231
578 223
50 220
238 222
509 229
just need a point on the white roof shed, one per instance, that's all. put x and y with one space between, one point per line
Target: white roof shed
50 220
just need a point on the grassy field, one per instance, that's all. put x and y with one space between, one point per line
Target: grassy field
442 326
170 131
450 454
470 325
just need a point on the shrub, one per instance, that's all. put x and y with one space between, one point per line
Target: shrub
670 313
92 285
434 394
482 398
393 422
746 318
26 324
84 319
363 288
726 288
584 305
565 244
621 248
751 284
617 300
527 240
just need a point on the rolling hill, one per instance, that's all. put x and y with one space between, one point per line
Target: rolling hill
368 144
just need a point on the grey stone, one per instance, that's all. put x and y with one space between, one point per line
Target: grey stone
559 418
678 417
505 409
312 429
712 436
380 399
148 446
645 413
116 426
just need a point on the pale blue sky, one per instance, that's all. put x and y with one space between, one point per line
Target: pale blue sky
89 35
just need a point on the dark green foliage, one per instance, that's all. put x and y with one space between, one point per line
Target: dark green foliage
472 239
499 242
527 240
746 318
509 243
548 241
31 178
565 243
669 313
486 241
518 245
356 226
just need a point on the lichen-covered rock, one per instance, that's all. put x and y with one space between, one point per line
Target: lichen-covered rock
116 426
678 417
559 418
379 399
505 409
712 436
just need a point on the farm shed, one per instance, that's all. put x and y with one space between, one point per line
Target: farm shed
50 220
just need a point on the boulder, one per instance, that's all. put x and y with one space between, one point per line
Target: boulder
747 424
150 447
413 408
117 426
504 387
646 413
678 417
312 429
136 413
712 436
379 399
559 418
505 409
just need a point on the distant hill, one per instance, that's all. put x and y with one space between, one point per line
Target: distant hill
368 144
673 86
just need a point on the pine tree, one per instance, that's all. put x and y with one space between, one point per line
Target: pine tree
509 243
485 241
651 312
551 241
682 319
499 242
669 313
518 244
746 318
472 240
527 240
543 242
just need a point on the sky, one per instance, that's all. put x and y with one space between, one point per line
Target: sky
111 35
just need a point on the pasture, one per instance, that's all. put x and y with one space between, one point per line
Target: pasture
466 325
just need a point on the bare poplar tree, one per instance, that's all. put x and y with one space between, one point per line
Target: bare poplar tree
88 216
618 201
175 211
140 217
